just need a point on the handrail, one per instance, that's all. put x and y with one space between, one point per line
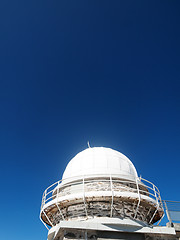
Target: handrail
152 191
140 186
172 211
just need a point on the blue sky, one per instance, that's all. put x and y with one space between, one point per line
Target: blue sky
107 72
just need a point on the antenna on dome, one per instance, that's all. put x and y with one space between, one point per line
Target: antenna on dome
88 144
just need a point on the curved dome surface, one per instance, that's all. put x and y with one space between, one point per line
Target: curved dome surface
99 161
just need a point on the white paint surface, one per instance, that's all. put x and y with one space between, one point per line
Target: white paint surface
96 161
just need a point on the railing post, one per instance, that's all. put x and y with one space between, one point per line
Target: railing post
156 196
160 219
43 222
167 212
112 192
48 218
139 197
84 198
44 200
58 188
160 199
153 216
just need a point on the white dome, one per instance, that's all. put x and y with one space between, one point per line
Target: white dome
99 161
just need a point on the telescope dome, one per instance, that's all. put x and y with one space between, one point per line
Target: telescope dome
100 183
99 162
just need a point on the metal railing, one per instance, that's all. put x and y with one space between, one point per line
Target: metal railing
139 186
172 211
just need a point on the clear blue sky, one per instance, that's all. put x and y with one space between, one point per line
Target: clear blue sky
73 71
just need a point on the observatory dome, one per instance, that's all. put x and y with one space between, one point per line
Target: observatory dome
100 183
99 162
